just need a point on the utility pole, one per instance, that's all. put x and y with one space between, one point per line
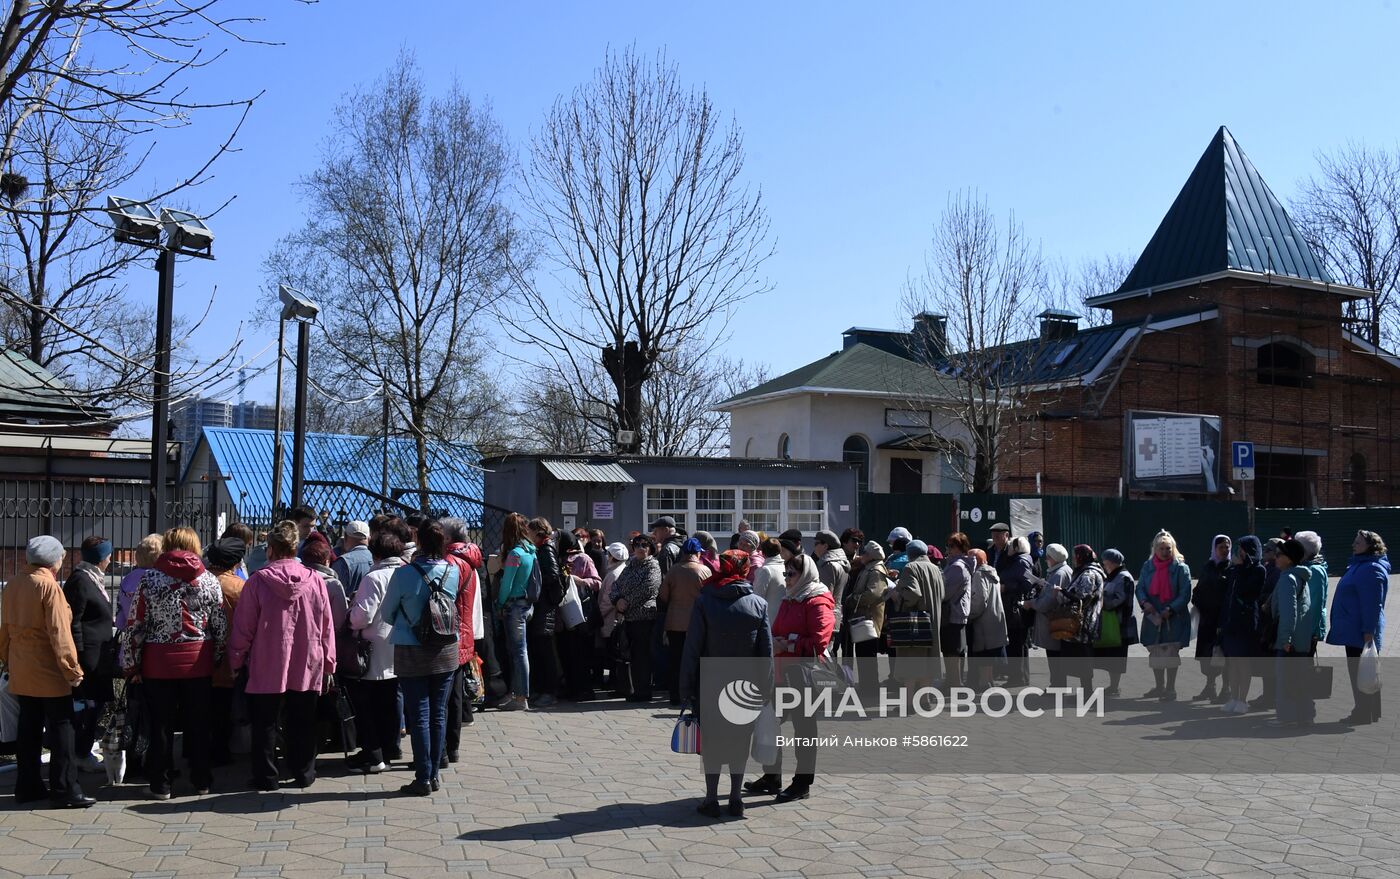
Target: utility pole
160 413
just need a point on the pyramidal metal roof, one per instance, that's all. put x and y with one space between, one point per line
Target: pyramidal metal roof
1225 218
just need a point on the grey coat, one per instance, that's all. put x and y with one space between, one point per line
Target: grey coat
957 574
1057 579
834 570
986 629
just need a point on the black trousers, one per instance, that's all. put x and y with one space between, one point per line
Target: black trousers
37 714
185 704
377 718
1017 652
580 661
459 710
295 713
675 651
97 690
1368 705
493 680
544 656
639 635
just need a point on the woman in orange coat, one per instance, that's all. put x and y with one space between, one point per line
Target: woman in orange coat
36 645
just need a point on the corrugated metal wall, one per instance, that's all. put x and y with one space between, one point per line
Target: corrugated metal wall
1337 527
928 516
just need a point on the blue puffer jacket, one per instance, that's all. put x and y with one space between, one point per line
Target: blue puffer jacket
1358 605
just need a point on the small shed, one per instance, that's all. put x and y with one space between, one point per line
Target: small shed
626 493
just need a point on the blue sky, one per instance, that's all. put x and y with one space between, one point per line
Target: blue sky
859 120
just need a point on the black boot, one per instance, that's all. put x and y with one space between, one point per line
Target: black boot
764 784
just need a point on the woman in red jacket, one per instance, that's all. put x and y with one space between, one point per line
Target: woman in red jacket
801 630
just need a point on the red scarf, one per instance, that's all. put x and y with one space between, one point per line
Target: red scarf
1161 586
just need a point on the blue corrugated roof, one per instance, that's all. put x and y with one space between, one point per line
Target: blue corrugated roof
245 457
1225 217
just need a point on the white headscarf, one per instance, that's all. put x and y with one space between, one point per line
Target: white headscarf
807 584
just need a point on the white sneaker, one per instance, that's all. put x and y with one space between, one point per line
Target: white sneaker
1240 707
90 763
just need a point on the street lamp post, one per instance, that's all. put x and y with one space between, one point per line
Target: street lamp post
295 306
134 222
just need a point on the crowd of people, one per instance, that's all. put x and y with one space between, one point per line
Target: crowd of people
280 645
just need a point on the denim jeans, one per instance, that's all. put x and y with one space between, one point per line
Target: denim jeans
517 616
425 703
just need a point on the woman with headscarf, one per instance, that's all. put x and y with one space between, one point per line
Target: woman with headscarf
1209 600
1164 592
86 591
726 620
1238 636
634 596
867 601
801 631
1117 625
1358 615
612 642
36 646
223 558
177 635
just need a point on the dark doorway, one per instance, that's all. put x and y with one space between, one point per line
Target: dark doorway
857 451
1284 481
1357 480
906 475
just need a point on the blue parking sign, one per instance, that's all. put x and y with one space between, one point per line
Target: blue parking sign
1242 455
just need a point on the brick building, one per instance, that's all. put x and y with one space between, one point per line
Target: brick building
1228 314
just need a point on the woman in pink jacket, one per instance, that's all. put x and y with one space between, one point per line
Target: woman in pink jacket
284 637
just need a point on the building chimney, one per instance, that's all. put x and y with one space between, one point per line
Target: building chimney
1057 323
929 338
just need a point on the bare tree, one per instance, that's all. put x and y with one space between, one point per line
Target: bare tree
81 84
406 247
989 280
678 407
636 189
1072 286
1350 214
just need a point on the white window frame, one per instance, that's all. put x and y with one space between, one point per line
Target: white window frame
690 512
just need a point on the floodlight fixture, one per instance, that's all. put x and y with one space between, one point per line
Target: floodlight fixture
295 305
185 231
133 221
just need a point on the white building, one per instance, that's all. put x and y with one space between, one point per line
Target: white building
871 403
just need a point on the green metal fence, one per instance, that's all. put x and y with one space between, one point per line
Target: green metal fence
1337 527
1101 522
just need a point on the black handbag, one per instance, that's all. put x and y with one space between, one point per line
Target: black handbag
352 653
1320 681
108 660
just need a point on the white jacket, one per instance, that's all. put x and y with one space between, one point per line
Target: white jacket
768 583
366 619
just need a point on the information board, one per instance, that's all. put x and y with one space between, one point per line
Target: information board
1172 452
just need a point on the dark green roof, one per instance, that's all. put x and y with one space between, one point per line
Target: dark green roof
859 368
1224 218
29 393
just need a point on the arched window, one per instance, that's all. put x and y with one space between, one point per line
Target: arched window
785 447
857 451
1286 365
1358 480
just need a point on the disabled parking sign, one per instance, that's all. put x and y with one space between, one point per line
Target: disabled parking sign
1242 461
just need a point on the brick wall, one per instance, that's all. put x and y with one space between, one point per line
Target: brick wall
1209 368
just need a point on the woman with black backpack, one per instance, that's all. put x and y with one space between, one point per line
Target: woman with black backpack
421 603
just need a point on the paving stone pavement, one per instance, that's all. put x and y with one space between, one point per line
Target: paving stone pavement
593 791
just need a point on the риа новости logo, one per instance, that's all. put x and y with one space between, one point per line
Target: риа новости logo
740 702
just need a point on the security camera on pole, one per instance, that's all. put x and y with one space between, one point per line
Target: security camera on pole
134 222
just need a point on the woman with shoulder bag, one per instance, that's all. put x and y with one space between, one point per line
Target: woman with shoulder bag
866 617
1118 625
986 621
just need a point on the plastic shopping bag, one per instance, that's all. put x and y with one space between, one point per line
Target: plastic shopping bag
571 607
765 737
1368 676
